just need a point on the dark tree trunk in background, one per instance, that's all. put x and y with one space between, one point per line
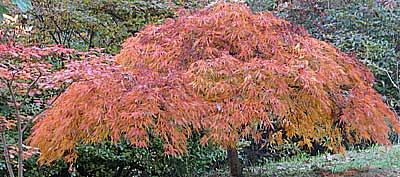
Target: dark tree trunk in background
234 163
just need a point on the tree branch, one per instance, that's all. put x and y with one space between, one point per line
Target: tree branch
29 89
6 153
387 73
40 112
19 120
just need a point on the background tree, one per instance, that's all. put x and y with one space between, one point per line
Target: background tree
83 24
21 68
23 5
23 73
226 73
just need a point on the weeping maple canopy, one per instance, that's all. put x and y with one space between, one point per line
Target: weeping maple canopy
227 73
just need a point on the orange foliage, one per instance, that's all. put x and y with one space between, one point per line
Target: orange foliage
225 71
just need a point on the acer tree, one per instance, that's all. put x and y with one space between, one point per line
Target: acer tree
21 71
28 77
25 73
225 72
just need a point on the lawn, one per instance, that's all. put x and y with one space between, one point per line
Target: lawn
375 161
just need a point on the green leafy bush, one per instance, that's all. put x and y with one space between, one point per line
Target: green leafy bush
107 159
123 160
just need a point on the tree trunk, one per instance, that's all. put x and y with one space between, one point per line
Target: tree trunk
6 154
234 163
19 127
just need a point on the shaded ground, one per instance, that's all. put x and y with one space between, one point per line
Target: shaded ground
377 161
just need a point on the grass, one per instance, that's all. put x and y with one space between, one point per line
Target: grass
376 161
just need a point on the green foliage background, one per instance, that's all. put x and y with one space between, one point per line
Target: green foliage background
84 24
23 5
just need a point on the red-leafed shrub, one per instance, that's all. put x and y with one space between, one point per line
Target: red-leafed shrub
227 73
27 80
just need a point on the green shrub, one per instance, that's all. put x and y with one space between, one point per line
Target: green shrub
107 159
123 160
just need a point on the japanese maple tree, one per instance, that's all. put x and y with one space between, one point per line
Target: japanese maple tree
227 73
22 69
27 73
